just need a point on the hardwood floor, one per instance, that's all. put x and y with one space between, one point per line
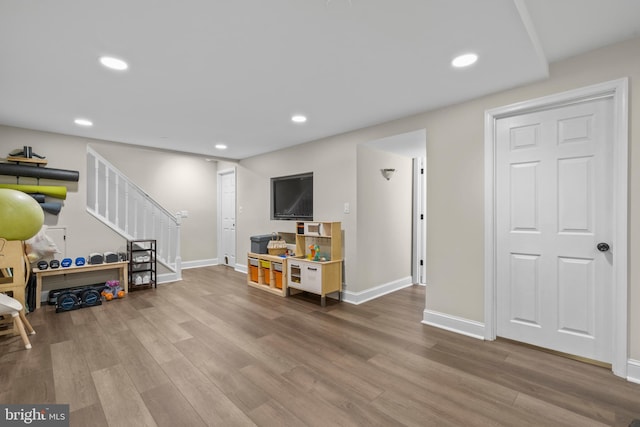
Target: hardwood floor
210 350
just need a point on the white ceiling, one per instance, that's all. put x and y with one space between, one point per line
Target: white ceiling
209 71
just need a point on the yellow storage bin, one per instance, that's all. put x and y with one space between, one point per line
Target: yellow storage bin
266 271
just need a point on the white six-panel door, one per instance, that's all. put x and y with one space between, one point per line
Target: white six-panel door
553 207
228 215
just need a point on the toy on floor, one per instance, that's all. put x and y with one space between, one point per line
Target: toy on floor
113 290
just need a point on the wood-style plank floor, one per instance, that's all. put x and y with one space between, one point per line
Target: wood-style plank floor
210 350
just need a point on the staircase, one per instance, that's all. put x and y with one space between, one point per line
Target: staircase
121 205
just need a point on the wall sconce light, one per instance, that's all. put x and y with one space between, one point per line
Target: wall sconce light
387 173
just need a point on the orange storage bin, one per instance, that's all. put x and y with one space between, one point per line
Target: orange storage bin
253 269
277 273
278 277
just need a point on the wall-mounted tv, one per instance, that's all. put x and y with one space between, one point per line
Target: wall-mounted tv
292 197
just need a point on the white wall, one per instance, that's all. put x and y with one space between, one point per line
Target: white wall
334 175
385 214
178 182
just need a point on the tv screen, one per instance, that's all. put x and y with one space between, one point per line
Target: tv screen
292 197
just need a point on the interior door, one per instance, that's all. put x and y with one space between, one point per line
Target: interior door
554 227
228 214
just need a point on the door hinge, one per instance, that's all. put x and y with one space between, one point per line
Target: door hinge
421 262
421 216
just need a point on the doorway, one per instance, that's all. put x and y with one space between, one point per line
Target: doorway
554 191
413 145
227 217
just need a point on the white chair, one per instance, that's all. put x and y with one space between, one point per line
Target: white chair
13 307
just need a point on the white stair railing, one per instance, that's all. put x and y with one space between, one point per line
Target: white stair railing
125 208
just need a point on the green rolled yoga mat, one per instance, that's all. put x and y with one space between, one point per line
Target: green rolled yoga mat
57 191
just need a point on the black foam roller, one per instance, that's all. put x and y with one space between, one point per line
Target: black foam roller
51 207
38 172
40 198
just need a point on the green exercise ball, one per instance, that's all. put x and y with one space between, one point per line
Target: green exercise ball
21 217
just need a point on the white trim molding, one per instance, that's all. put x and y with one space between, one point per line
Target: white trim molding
167 278
633 371
459 325
618 92
199 263
376 292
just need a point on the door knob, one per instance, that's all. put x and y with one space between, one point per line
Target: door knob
603 247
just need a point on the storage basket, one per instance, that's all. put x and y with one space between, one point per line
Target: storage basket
277 247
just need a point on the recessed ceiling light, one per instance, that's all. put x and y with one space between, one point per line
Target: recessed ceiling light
464 60
221 146
298 118
83 122
113 63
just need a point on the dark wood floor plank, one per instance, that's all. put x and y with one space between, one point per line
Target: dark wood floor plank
273 414
165 326
169 408
218 347
239 337
142 368
121 402
461 396
169 310
550 385
317 385
223 372
312 411
80 317
36 387
206 398
16 362
93 342
407 411
551 414
314 358
154 341
72 376
92 415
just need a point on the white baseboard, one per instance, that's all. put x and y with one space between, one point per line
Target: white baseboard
633 371
241 268
378 291
459 325
199 263
166 278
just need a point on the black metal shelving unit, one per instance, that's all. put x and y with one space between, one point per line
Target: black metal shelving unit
142 264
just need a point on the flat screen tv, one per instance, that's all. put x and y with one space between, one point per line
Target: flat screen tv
292 197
